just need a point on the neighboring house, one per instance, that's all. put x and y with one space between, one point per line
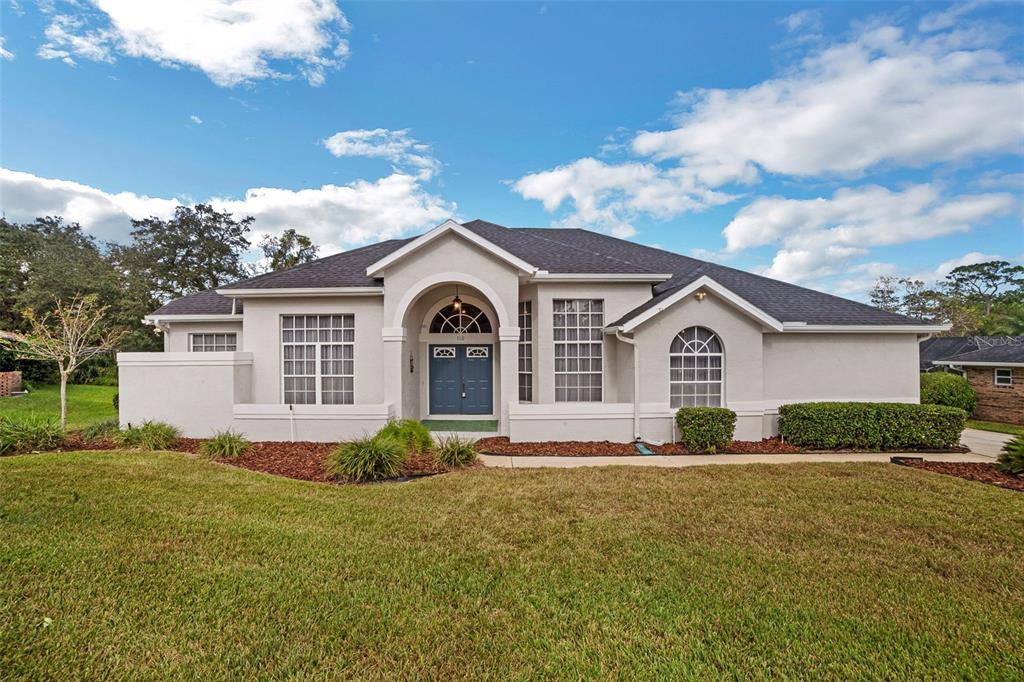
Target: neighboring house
994 366
556 334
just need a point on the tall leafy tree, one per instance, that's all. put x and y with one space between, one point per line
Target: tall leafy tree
985 282
288 250
199 248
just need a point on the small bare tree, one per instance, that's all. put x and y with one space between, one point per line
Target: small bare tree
68 336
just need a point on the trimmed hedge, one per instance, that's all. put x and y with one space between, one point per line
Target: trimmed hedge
705 429
871 426
944 388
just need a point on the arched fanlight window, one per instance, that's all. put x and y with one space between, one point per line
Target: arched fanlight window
463 319
696 369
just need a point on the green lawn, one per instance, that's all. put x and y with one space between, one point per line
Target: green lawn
161 565
998 427
86 404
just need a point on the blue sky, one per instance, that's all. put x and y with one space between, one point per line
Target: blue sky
825 144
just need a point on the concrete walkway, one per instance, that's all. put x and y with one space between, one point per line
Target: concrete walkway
984 442
984 447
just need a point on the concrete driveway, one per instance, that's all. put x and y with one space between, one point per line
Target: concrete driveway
985 443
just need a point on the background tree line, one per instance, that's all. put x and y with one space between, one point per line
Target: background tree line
985 298
199 248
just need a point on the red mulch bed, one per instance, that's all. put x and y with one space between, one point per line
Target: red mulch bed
972 471
605 448
303 460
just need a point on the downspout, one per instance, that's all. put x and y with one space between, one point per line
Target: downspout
636 382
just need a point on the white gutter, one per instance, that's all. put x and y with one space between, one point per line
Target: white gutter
170 317
636 383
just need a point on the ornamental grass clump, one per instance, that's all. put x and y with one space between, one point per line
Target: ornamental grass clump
455 452
944 388
100 430
225 445
705 429
150 435
29 433
411 433
1011 459
370 458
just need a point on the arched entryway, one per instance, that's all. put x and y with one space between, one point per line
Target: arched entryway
454 355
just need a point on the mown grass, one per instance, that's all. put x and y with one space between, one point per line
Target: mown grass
162 565
998 427
87 404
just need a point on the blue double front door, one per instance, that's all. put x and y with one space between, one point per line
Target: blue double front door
460 379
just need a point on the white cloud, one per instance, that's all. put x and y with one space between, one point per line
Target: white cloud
335 216
4 52
946 267
804 20
947 18
196 120
820 237
24 197
231 41
609 196
394 145
879 99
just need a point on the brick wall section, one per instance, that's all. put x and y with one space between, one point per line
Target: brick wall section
9 383
997 403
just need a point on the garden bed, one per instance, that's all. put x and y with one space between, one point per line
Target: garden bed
302 460
972 471
604 448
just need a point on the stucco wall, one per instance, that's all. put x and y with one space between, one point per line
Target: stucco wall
263 339
176 340
858 367
194 391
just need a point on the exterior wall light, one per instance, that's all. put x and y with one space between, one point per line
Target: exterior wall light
700 295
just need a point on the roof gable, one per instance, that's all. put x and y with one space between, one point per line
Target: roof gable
449 227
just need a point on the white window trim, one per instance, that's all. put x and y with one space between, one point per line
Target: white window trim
528 314
599 341
995 376
193 335
683 382
281 343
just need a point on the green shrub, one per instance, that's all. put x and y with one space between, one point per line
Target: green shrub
1011 459
117 401
149 435
28 433
225 444
871 426
411 433
455 452
944 388
107 428
705 429
369 458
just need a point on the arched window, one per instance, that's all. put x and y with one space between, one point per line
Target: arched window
696 369
468 319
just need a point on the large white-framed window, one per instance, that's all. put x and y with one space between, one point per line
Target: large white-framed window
526 351
696 369
212 343
579 358
1003 376
318 359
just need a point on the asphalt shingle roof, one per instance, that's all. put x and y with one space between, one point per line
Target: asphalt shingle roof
563 250
203 303
995 354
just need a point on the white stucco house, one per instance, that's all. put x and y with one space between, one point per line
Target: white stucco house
554 334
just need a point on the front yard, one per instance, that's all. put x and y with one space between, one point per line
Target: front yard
118 564
87 404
